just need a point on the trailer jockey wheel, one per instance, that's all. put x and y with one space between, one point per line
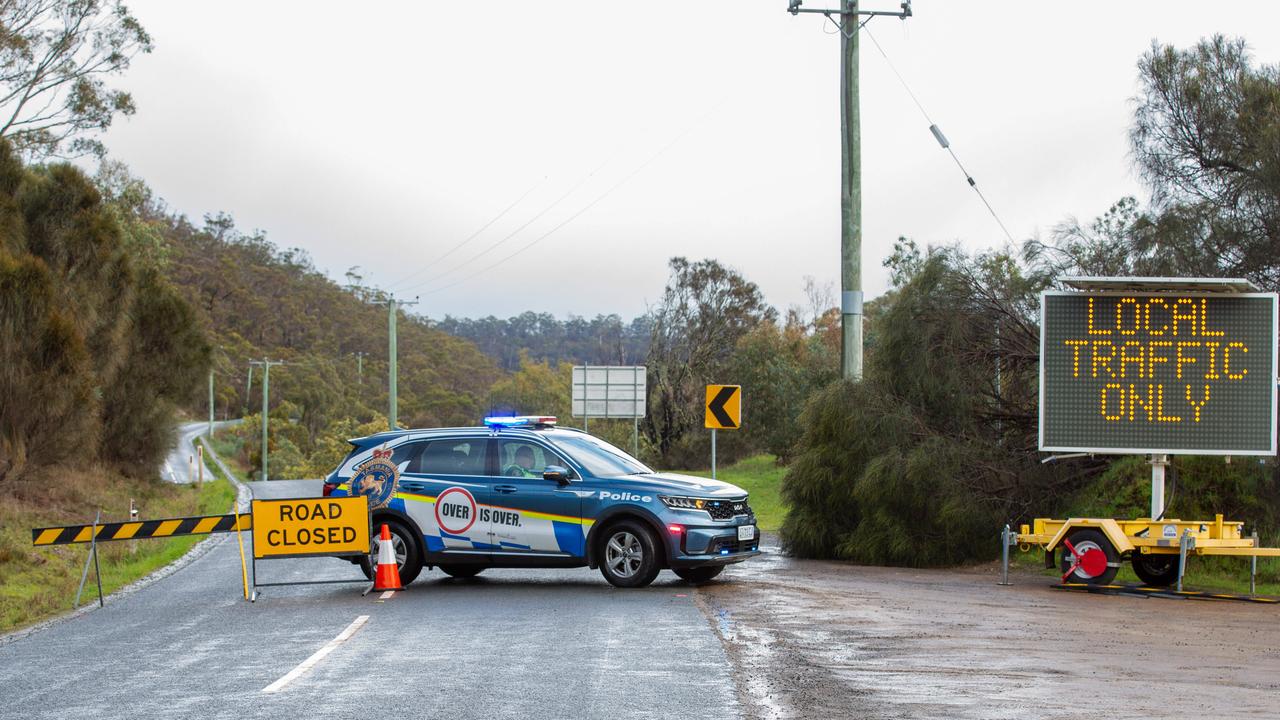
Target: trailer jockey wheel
1088 557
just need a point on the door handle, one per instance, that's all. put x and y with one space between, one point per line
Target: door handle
505 488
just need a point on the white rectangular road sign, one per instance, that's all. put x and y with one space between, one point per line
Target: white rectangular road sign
609 391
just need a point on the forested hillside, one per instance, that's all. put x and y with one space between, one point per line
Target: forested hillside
603 340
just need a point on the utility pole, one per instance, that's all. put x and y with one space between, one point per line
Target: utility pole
266 364
211 404
360 365
392 304
846 21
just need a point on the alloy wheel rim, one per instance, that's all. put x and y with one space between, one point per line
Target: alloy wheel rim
624 554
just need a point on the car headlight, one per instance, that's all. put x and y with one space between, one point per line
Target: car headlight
683 503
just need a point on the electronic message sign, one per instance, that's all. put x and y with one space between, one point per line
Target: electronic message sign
1140 372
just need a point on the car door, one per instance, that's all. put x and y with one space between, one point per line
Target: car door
446 491
529 515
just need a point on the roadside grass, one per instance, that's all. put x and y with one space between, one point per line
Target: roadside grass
761 477
38 583
229 447
1227 575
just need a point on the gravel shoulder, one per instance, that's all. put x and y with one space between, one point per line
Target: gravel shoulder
825 639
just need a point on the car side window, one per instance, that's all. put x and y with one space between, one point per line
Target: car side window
521 458
405 455
451 457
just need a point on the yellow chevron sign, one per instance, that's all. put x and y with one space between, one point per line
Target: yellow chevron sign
140 529
724 407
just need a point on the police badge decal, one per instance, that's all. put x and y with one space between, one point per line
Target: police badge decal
376 478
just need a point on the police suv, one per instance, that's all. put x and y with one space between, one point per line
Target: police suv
521 492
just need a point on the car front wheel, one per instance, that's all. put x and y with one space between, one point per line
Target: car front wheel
628 555
408 559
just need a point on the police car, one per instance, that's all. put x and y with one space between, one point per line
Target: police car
522 492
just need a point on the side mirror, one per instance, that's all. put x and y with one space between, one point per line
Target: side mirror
556 474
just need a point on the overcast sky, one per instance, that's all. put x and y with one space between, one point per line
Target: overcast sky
596 139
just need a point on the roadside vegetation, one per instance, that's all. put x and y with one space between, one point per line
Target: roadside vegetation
41 582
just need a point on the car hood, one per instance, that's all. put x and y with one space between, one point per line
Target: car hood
677 484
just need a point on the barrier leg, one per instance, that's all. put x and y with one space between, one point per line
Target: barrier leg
1182 556
1004 555
244 570
1253 567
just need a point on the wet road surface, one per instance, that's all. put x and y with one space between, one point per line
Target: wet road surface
511 643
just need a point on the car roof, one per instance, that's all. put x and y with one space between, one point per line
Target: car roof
376 438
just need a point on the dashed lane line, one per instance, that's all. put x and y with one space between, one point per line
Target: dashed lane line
319 655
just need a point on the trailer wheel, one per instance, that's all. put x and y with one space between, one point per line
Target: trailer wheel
1090 569
1155 570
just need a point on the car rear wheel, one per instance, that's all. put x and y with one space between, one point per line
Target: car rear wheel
461 571
1155 570
628 555
699 575
408 559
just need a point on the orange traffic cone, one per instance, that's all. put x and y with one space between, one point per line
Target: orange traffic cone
388 575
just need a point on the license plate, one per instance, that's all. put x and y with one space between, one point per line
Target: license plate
746 532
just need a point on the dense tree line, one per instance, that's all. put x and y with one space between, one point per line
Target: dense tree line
97 347
602 340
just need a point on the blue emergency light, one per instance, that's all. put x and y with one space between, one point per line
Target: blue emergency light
519 421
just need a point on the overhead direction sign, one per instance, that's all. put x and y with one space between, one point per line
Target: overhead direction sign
1158 372
301 527
724 407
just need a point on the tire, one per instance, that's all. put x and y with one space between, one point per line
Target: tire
699 575
1155 570
408 557
628 554
1085 539
461 571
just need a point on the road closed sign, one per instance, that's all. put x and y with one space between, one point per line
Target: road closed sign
301 527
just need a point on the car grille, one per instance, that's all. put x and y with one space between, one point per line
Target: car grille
733 545
727 509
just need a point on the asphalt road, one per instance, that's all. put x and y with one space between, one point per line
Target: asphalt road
511 643
178 464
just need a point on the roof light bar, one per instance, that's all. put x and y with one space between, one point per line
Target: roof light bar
520 421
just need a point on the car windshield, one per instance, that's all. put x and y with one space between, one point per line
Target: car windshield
599 457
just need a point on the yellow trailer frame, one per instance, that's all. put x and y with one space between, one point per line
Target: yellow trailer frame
1147 536
1143 536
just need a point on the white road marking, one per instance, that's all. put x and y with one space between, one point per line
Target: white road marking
319 655
386 594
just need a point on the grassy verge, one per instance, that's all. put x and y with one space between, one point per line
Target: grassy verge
229 445
761 477
37 583
1228 575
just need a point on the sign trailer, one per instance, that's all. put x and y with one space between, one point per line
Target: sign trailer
1158 366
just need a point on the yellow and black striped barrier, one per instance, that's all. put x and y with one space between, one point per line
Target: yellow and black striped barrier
138 529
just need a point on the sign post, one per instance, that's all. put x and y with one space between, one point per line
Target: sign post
610 392
723 412
1159 367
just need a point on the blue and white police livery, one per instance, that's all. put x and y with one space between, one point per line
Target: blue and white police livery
521 492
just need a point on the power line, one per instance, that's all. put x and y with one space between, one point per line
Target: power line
937 134
469 238
688 128
517 231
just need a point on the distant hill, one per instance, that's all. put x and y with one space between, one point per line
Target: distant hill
603 340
